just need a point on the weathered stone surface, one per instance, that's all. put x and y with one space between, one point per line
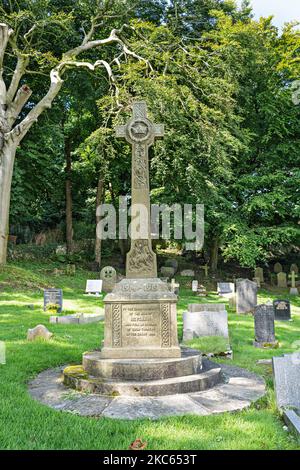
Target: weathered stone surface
226 289
205 323
47 388
294 267
264 326
187 273
282 280
40 331
140 320
277 268
167 271
54 297
173 263
282 310
259 273
77 318
246 296
140 132
212 307
108 275
292 419
287 380
142 369
93 286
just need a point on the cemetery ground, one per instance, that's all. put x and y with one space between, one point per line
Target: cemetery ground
27 424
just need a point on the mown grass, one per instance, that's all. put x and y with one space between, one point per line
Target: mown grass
26 424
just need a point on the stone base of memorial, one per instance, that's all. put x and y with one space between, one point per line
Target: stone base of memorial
140 321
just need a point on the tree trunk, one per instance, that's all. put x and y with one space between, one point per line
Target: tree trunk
214 254
98 241
69 203
7 158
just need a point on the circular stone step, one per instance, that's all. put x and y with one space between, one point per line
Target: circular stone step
183 384
189 363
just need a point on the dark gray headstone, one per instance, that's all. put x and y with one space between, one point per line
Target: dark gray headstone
264 326
287 380
53 296
282 310
246 296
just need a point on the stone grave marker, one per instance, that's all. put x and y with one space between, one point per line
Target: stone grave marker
93 286
294 267
264 326
212 307
226 289
205 323
259 273
187 273
277 268
172 263
195 286
257 281
40 331
246 296
282 310
281 280
167 271
205 269
293 289
140 313
108 275
174 286
55 297
287 380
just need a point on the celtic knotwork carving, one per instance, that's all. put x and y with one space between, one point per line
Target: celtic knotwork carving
140 167
116 326
165 326
141 257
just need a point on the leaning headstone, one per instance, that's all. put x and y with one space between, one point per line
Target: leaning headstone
264 326
167 271
226 289
282 310
259 273
187 273
40 331
195 286
93 286
53 297
205 323
277 268
293 289
294 267
281 280
108 275
246 296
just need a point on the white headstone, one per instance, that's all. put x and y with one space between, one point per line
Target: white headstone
93 286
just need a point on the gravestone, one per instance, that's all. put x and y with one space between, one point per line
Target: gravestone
257 281
172 263
281 280
264 326
55 297
187 273
282 310
287 380
294 267
205 269
195 286
108 275
277 268
201 291
212 307
167 271
259 273
174 286
226 289
293 289
93 286
40 331
205 323
140 313
246 296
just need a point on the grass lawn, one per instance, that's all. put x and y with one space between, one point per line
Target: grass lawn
26 424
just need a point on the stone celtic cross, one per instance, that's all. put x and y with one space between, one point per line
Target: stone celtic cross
140 132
